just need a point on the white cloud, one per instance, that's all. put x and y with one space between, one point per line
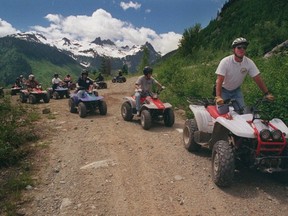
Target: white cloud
102 24
148 11
130 4
6 28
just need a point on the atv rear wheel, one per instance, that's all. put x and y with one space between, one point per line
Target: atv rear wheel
23 98
188 135
102 107
146 120
126 111
32 99
72 106
223 163
56 95
82 110
169 117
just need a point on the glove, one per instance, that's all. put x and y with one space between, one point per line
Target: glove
162 87
219 100
269 96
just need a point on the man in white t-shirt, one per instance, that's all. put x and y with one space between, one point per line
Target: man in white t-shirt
144 86
56 81
231 73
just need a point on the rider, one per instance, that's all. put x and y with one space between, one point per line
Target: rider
22 80
231 72
32 83
144 86
84 81
56 81
18 82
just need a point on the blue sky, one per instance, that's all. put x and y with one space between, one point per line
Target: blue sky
160 22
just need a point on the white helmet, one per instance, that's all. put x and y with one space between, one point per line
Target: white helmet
31 76
239 41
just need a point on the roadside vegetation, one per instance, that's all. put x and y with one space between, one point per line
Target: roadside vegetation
17 131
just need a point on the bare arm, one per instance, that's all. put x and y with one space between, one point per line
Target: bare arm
260 83
219 82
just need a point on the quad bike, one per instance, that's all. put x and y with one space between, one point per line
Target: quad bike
85 102
59 92
34 95
152 109
15 89
100 85
119 79
236 139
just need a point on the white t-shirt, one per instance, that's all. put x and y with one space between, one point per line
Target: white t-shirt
235 72
56 80
146 84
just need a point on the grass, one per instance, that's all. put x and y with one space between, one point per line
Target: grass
17 132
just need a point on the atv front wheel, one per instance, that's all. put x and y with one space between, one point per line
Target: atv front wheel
146 120
72 106
126 111
223 163
188 135
46 98
169 117
32 99
82 110
102 108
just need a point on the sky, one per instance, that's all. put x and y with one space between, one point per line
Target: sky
125 22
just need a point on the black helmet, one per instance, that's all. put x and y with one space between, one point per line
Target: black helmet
239 41
56 75
84 72
147 70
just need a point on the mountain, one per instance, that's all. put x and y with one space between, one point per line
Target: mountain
31 52
91 54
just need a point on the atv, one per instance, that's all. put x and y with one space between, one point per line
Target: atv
100 85
34 95
236 138
59 92
118 79
152 109
84 102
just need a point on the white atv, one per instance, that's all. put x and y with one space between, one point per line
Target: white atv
245 138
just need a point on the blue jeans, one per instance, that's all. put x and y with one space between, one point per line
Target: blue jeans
138 96
235 94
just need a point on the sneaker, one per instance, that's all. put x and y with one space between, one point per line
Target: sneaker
138 113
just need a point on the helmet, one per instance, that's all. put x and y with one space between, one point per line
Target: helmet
56 75
31 76
239 41
21 76
147 70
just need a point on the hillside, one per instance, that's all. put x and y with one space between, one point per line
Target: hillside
190 72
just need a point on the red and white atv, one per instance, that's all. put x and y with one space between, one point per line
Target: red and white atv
151 109
232 137
34 95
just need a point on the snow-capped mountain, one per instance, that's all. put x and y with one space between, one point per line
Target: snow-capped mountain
86 52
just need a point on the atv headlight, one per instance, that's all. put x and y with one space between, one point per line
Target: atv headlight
265 134
276 135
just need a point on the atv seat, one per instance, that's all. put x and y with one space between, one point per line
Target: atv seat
214 113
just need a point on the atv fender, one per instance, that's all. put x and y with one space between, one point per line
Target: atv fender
130 100
204 121
278 123
238 124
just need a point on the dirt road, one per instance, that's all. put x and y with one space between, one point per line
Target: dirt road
102 165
